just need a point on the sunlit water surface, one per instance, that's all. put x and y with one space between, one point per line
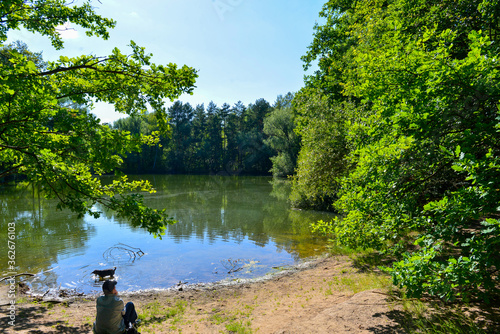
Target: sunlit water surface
228 228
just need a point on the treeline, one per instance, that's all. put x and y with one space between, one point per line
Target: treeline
400 135
229 140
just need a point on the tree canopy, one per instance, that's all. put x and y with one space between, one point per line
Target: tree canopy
224 140
414 88
47 132
279 126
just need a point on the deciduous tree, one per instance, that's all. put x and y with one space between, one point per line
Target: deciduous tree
65 149
423 160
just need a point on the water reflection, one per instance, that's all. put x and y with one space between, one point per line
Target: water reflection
43 234
235 208
219 218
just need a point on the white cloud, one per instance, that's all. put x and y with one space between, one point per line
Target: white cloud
66 32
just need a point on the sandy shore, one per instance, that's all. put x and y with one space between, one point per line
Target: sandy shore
325 296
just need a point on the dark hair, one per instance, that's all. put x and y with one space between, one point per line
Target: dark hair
109 286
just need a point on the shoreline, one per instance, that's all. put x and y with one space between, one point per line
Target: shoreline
227 282
328 294
323 295
231 282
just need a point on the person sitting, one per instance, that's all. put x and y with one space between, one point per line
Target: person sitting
112 317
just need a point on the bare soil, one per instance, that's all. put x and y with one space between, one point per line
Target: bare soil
313 299
327 296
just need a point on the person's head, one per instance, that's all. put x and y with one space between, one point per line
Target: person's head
109 287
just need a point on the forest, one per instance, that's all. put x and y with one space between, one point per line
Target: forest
397 131
400 135
257 139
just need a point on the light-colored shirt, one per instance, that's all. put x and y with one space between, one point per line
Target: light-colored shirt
109 318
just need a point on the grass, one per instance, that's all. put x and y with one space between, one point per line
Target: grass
412 316
231 322
434 318
89 320
21 300
417 316
239 327
356 280
155 313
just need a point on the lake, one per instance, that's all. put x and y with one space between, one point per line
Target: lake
228 228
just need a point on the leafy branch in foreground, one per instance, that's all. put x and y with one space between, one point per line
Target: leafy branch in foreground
46 130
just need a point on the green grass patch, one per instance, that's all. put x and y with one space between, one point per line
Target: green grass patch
154 313
232 321
239 327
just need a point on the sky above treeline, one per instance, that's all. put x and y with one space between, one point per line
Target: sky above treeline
243 49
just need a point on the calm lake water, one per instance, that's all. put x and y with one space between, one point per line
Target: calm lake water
228 228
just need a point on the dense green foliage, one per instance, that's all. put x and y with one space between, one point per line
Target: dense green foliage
403 127
398 130
46 131
217 140
279 126
322 126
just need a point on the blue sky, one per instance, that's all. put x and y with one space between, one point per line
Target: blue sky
243 49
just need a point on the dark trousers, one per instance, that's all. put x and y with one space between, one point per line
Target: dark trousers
130 315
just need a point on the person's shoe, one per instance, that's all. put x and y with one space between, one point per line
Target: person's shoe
132 330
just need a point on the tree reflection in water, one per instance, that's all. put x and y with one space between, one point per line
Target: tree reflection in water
43 234
219 219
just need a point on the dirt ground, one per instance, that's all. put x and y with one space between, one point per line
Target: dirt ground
314 299
327 296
